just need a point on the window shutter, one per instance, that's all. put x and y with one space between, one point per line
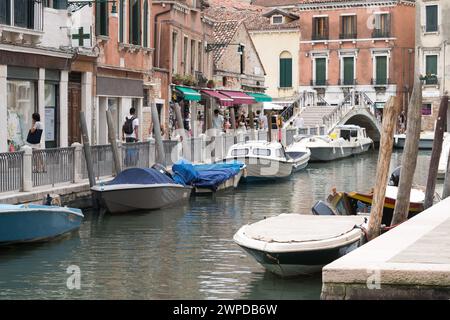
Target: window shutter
288 70
381 72
355 25
326 31
5 12
432 18
282 73
121 20
431 65
60 4
388 24
314 30
145 42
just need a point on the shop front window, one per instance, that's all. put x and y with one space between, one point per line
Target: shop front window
50 116
21 104
113 105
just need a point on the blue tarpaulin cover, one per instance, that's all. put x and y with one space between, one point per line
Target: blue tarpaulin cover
205 175
141 176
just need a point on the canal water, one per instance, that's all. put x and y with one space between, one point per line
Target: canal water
185 252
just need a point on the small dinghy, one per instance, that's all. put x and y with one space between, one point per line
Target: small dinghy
208 178
300 156
30 223
141 189
263 160
294 244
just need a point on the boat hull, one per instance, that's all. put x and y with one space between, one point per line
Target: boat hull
294 264
126 198
323 154
33 225
261 168
424 144
233 182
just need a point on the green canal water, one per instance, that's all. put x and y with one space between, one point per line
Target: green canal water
185 252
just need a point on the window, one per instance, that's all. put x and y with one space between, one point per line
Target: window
426 109
382 25
241 51
51 115
261 152
348 27
101 18
24 14
145 42
320 71
200 56
239 152
174 52
56 4
320 28
431 69
431 18
285 70
193 46
135 22
121 20
5 12
348 71
185 55
277 19
381 70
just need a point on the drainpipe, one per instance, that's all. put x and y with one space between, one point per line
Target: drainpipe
155 32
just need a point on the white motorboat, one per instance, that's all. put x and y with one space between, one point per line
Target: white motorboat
344 141
141 189
425 142
294 244
263 160
444 157
300 156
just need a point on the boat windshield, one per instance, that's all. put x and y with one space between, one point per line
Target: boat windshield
261 152
239 152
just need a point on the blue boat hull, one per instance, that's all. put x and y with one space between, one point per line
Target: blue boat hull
20 224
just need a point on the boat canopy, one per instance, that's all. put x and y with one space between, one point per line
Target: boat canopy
206 175
141 176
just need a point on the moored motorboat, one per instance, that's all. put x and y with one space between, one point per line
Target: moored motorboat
294 244
208 178
263 160
425 142
344 141
300 156
30 223
141 189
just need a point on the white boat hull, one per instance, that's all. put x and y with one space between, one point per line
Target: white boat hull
260 168
125 198
333 153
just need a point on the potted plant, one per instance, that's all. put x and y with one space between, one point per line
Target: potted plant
177 79
202 81
211 84
189 80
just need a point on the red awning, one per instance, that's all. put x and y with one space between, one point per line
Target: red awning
222 99
238 97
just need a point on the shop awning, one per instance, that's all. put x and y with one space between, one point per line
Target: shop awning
260 97
238 97
189 94
272 106
222 99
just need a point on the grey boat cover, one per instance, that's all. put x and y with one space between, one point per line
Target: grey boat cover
290 228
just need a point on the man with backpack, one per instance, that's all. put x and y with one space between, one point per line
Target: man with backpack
130 127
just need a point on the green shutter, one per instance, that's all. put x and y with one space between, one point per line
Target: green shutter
121 20
321 71
381 70
432 18
349 70
145 42
431 65
286 73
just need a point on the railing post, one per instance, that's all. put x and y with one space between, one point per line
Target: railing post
27 182
78 154
151 151
283 137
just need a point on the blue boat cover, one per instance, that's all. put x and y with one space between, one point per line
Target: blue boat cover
205 175
141 176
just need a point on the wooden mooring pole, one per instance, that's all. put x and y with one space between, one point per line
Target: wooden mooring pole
410 152
384 159
436 153
160 157
269 131
113 142
87 149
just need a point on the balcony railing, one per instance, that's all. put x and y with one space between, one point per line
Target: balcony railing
320 37
319 83
379 33
432 80
348 35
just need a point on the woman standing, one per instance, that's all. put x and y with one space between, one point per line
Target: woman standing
34 141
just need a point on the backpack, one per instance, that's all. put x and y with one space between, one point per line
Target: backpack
128 125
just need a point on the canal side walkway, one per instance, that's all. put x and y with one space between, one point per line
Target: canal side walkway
412 261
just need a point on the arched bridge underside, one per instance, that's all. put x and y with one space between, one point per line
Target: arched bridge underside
364 118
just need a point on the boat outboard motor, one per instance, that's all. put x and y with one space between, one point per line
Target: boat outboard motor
322 208
162 169
394 180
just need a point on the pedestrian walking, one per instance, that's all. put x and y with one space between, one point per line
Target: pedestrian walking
34 141
130 134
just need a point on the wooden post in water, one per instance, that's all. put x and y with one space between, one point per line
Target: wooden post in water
250 117
160 158
232 118
113 142
410 152
87 149
181 131
269 129
436 153
384 159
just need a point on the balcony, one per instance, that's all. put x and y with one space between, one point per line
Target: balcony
343 36
21 22
379 33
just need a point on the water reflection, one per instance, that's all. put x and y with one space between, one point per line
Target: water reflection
185 252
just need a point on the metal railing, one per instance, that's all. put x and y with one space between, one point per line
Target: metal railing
322 102
103 161
135 155
262 135
11 171
170 151
51 166
290 133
